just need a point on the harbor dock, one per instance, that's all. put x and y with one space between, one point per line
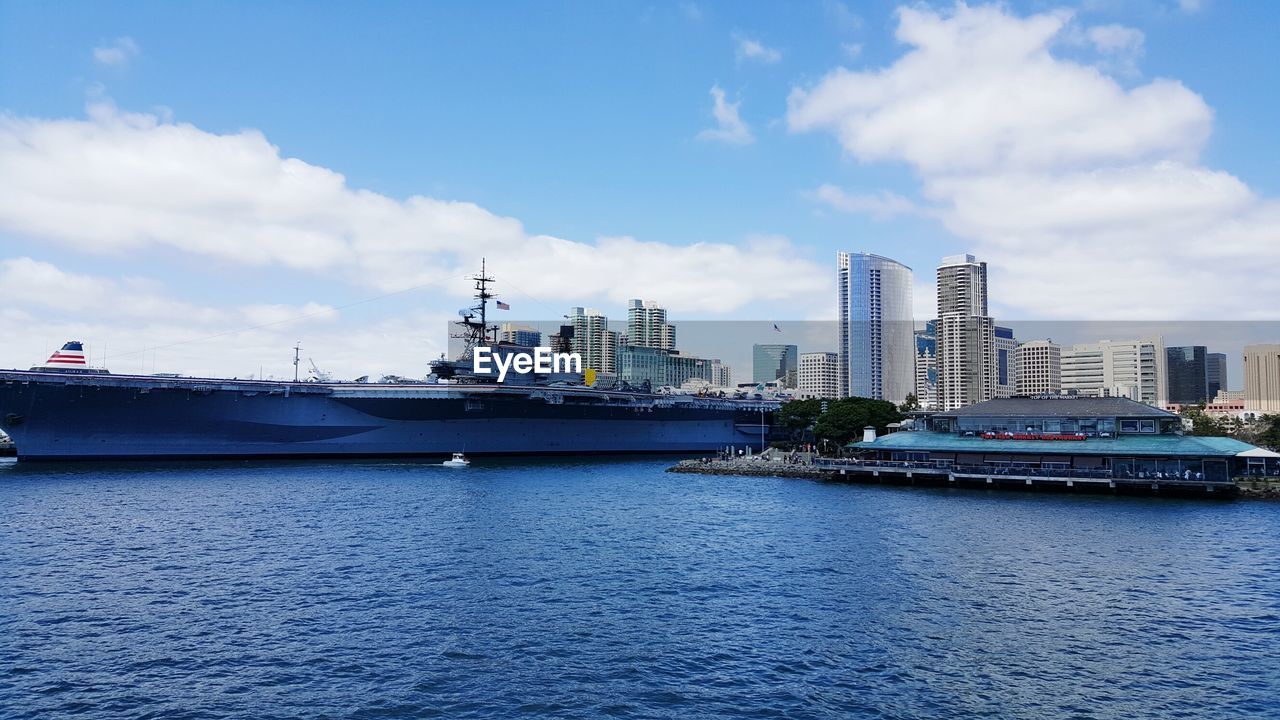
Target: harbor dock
879 472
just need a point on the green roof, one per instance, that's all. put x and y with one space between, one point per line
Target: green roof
1059 406
1154 445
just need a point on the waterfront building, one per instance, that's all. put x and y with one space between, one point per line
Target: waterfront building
637 364
1039 368
647 325
1188 375
877 345
1006 368
927 366
1117 368
593 339
1110 436
1215 373
819 375
519 335
965 334
1262 378
775 362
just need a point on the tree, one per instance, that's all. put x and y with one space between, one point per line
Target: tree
912 403
1203 424
799 415
845 419
1268 431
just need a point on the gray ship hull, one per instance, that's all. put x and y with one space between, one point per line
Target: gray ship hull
53 416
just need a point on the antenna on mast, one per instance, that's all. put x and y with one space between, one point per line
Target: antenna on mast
297 349
475 330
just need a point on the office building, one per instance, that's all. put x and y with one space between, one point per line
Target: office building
593 340
1117 368
647 325
1006 368
927 366
637 365
965 334
775 362
519 335
1039 368
1186 368
1262 378
721 374
1216 373
877 343
819 375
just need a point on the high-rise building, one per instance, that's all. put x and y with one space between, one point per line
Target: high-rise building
877 345
927 366
1117 368
774 362
647 325
966 334
1006 368
593 340
1187 370
519 335
819 375
1262 378
721 374
1039 364
1215 373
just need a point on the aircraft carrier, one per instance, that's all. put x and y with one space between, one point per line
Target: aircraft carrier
65 410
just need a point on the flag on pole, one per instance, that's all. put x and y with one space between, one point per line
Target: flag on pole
503 306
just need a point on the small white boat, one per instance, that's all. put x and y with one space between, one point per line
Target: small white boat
458 460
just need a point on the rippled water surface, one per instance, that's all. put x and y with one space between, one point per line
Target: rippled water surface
591 589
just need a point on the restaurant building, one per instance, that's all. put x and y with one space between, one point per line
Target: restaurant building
1112 436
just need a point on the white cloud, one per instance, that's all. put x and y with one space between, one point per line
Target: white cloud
1121 47
124 184
118 53
729 126
881 205
1190 6
844 19
1116 38
1087 198
980 89
749 49
47 306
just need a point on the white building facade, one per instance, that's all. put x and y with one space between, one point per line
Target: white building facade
965 334
819 375
1117 368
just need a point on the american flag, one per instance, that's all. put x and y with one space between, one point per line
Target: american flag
503 306
71 354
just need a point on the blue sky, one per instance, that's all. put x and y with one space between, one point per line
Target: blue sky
582 121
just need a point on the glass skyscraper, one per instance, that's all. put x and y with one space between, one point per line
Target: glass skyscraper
877 331
775 362
1186 368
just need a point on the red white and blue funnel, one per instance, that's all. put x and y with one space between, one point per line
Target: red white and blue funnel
71 355
69 358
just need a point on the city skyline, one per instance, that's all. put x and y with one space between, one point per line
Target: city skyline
190 192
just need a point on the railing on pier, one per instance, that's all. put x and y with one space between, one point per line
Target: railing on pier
1015 472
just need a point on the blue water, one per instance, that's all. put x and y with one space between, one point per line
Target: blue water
596 589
